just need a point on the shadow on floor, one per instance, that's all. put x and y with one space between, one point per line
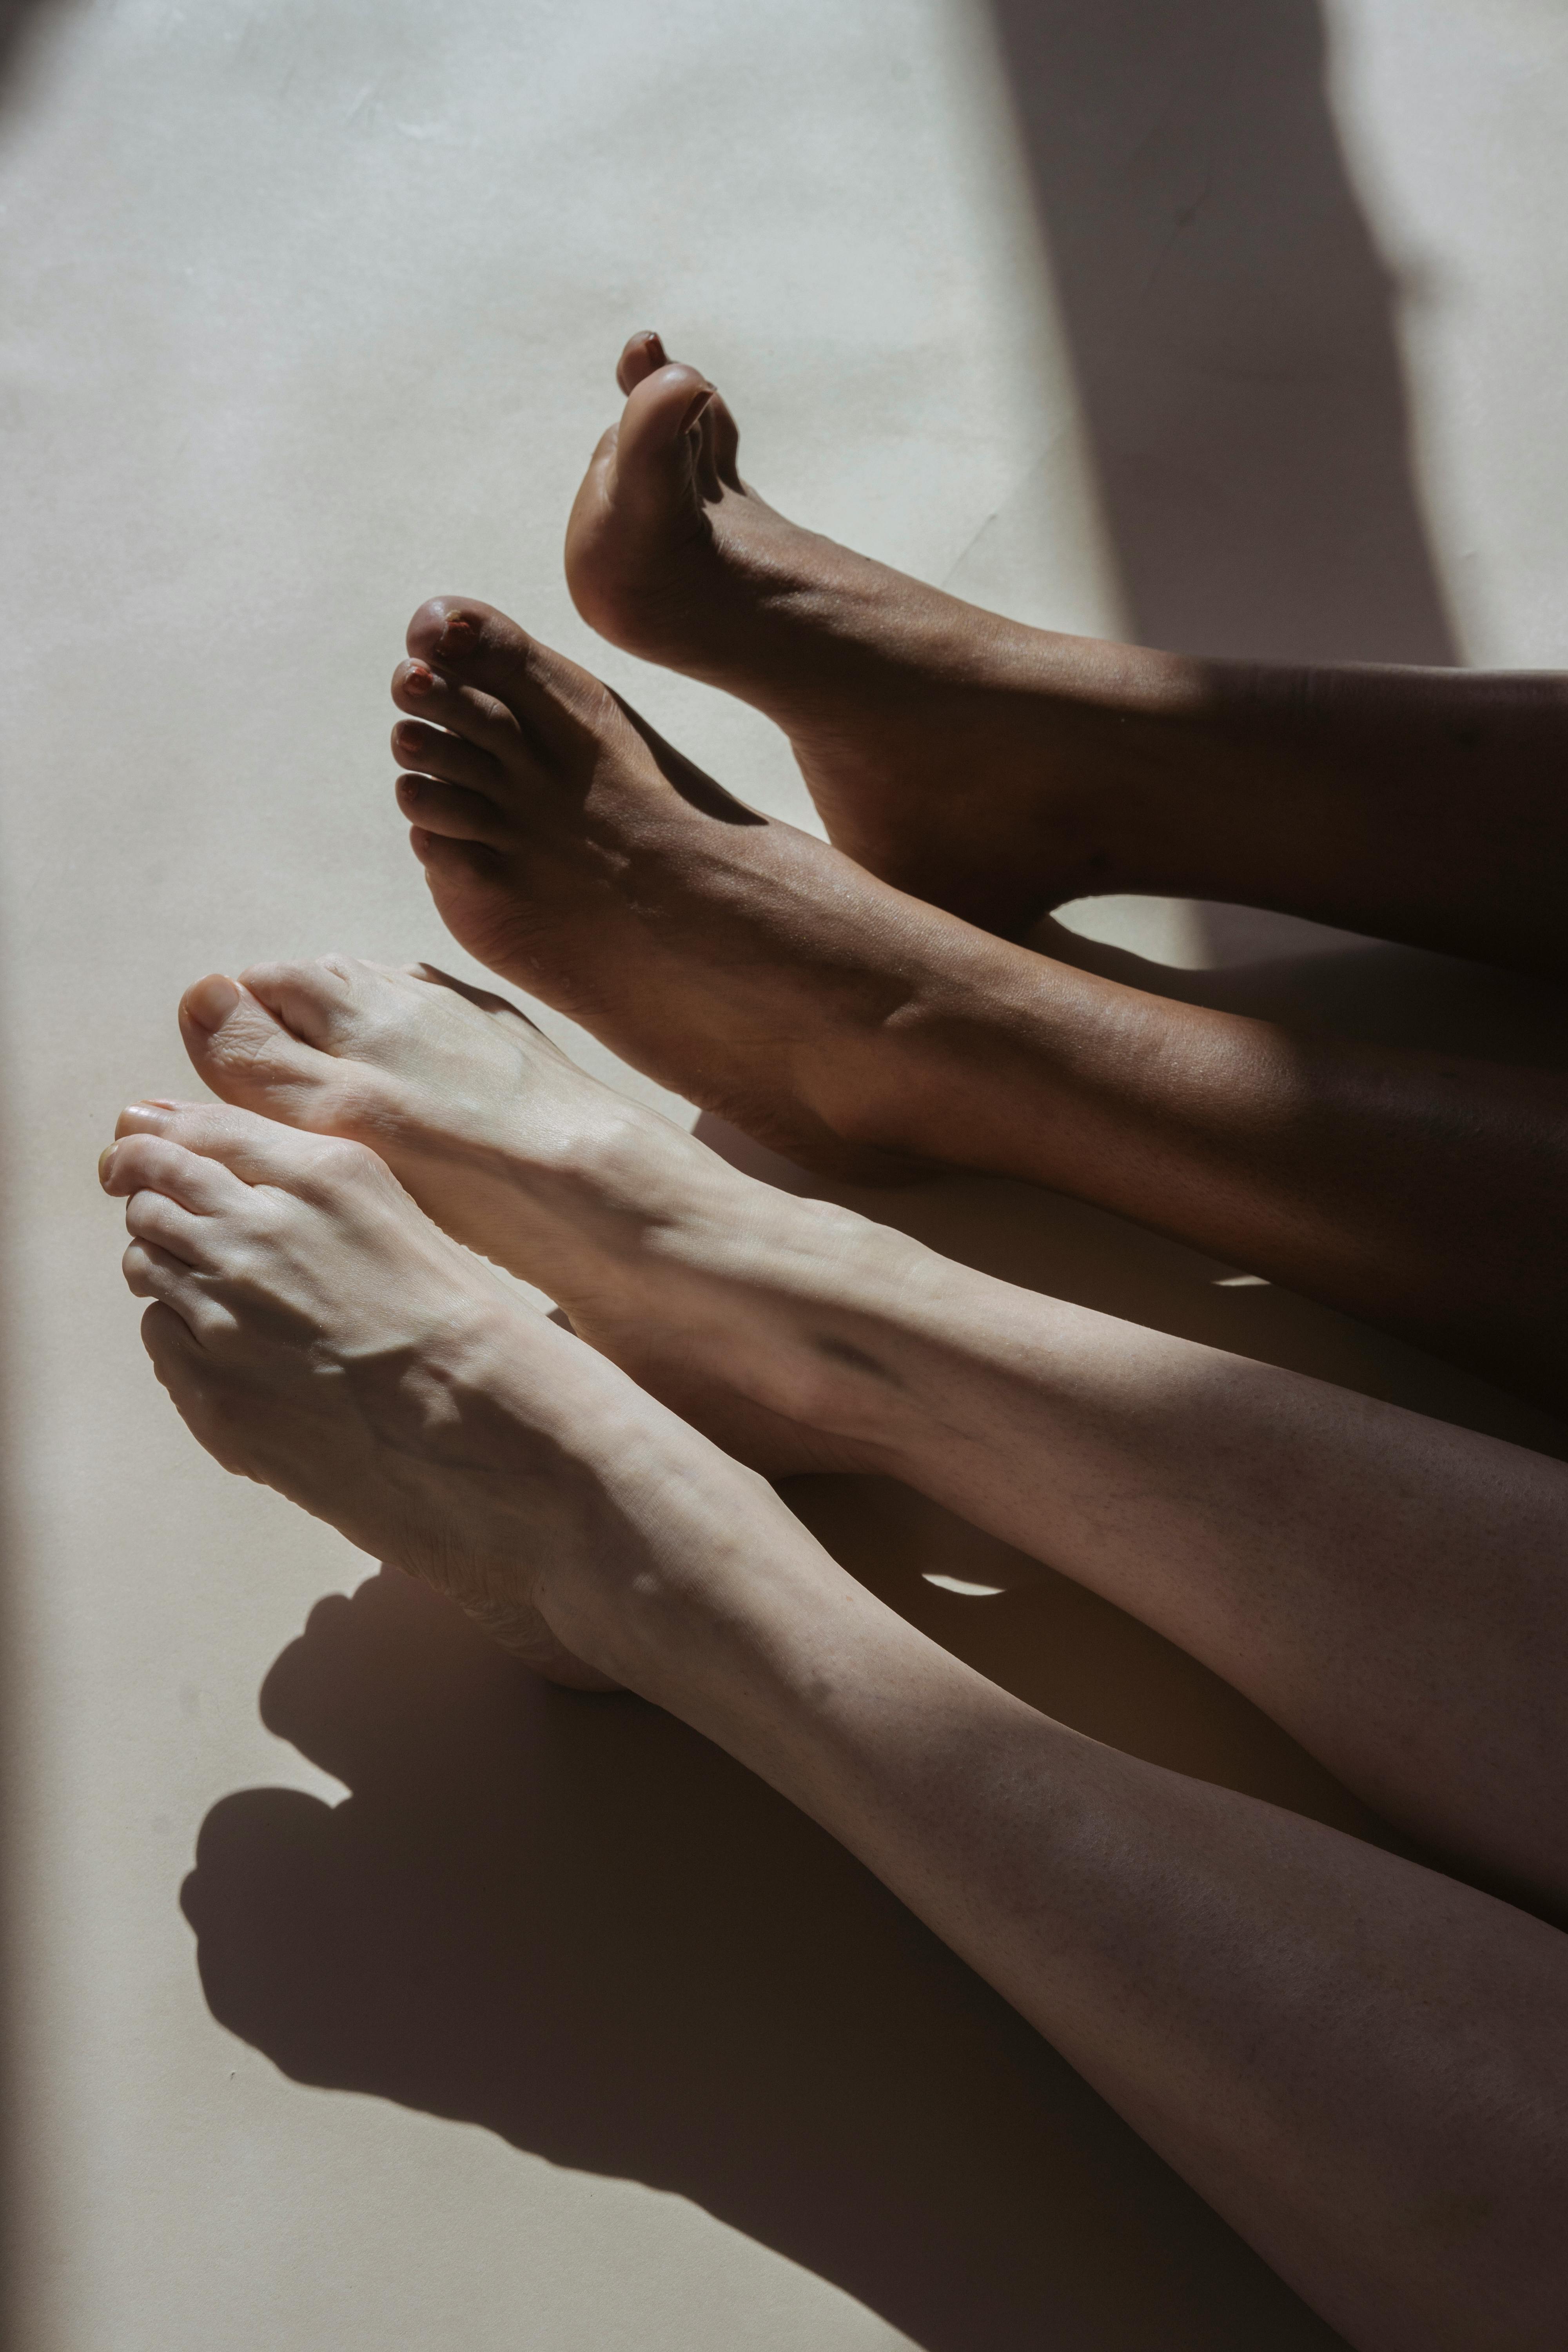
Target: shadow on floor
20 21
1232 324
575 1923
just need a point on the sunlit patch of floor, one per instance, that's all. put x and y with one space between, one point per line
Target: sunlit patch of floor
957 1584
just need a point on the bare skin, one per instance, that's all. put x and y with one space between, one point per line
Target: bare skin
998 770
1388 1588
1362 2065
769 978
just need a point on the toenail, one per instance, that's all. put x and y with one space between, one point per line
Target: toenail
142 1116
211 1000
696 406
459 634
104 1157
417 679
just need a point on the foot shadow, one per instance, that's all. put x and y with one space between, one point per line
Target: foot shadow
575 1923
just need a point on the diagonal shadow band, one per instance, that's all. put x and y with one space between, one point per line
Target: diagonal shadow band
1233 327
575 1923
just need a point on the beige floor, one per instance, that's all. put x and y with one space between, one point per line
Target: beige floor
558 2033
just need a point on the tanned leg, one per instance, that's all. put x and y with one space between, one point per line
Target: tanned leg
768 978
1389 1589
1362 2065
998 770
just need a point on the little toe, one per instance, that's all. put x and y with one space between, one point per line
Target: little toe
464 874
444 859
176 1355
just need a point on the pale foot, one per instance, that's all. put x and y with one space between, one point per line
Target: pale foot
664 1258
749 967
956 754
318 1333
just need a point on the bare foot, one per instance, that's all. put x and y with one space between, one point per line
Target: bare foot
945 746
748 966
656 1248
318 1333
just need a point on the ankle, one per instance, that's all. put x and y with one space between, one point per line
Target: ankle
690 1571
793 1303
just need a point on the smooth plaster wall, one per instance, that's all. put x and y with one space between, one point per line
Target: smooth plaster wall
559 2033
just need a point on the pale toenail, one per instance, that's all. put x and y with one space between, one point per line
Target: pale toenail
104 1157
211 1000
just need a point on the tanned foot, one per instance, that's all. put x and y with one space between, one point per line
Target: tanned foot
664 1258
954 753
751 968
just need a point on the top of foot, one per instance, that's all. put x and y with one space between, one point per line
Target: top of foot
746 966
937 739
656 1248
503 1140
318 1335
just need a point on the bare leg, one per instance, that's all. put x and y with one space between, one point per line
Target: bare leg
1387 1588
1363 2065
998 770
770 980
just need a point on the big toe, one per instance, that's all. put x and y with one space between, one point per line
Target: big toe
476 647
645 500
656 464
246 1055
